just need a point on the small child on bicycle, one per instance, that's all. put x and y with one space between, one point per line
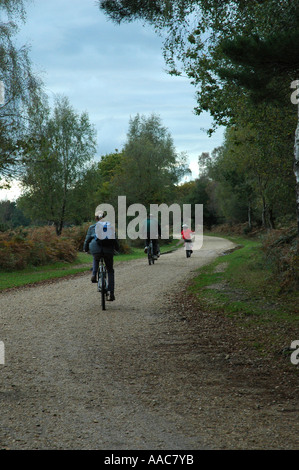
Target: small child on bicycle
187 234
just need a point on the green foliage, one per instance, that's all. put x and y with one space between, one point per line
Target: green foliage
241 57
21 86
11 216
108 169
35 274
200 191
58 151
262 64
149 167
196 34
241 285
253 168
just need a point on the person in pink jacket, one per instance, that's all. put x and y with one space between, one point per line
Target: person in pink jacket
187 235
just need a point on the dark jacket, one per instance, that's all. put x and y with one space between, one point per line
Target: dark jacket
151 224
96 246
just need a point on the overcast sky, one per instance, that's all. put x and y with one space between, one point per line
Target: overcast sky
112 72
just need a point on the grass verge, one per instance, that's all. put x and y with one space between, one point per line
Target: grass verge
242 287
83 263
241 283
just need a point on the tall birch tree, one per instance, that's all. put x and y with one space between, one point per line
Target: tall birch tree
59 151
19 86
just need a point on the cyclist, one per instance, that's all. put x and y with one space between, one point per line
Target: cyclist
101 249
152 231
187 234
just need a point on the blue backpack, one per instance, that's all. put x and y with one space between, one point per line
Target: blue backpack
104 233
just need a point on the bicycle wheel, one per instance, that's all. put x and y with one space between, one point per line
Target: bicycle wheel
149 257
102 286
150 254
103 290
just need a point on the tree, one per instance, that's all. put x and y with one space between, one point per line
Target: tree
150 165
108 169
193 32
234 52
59 150
228 168
252 170
95 187
200 191
21 86
265 66
11 216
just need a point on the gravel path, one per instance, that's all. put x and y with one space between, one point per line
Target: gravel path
127 378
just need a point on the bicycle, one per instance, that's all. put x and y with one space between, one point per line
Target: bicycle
150 253
103 282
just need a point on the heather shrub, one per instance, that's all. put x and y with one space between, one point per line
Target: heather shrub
37 246
64 249
34 246
77 234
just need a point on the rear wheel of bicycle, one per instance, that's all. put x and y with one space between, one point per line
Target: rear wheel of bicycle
151 259
102 288
103 291
150 254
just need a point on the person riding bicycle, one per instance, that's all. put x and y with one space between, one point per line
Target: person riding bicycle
187 234
101 249
152 231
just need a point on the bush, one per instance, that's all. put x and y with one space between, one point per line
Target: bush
37 246
34 246
77 234
124 247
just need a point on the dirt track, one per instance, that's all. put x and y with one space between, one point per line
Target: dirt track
127 378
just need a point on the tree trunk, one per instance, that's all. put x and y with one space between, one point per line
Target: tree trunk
296 169
249 216
271 218
61 222
264 213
